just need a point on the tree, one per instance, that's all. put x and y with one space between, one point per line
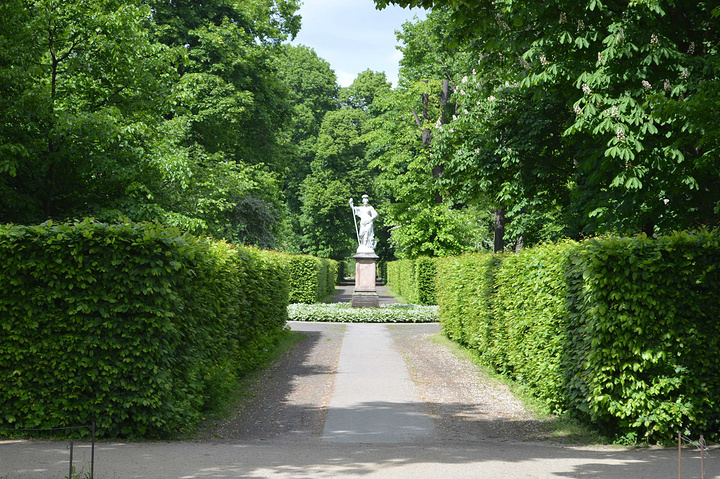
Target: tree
313 91
364 89
80 84
229 88
640 159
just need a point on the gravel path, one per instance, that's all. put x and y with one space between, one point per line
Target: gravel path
465 404
291 398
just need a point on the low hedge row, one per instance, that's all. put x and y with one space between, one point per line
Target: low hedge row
344 313
619 331
413 279
135 327
311 278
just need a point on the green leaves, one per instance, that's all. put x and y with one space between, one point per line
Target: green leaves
134 326
608 329
311 279
413 279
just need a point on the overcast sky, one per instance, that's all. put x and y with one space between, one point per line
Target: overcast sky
353 36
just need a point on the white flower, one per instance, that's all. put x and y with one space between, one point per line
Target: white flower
464 79
563 18
653 39
491 98
620 133
586 89
581 26
646 85
543 60
600 57
666 85
577 109
691 48
454 117
477 151
614 111
685 74
465 111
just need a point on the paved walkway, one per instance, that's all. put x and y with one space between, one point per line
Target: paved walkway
374 400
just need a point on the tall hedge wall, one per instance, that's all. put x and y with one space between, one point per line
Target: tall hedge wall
311 278
619 331
135 327
413 279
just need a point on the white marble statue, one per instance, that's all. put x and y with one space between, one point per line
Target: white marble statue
366 233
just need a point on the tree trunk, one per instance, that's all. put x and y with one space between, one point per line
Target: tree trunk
649 228
499 241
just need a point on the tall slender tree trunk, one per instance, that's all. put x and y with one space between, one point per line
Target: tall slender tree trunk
426 133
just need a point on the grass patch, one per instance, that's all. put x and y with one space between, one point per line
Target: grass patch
560 428
246 386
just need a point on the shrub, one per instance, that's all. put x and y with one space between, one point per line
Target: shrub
311 278
616 330
644 321
413 279
135 327
530 314
425 273
465 287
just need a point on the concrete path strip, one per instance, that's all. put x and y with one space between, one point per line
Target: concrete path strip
374 400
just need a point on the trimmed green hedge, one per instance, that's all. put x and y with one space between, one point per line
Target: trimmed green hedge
645 316
413 279
465 286
311 278
135 327
619 331
344 313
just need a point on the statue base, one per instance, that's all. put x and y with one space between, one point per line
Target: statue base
365 294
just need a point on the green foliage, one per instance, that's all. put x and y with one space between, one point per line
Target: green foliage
613 330
339 172
132 326
425 272
312 92
529 315
145 110
465 287
595 116
344 313
413 280
311 278
79 83
645 315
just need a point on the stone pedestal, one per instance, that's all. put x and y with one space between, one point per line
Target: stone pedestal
365 294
